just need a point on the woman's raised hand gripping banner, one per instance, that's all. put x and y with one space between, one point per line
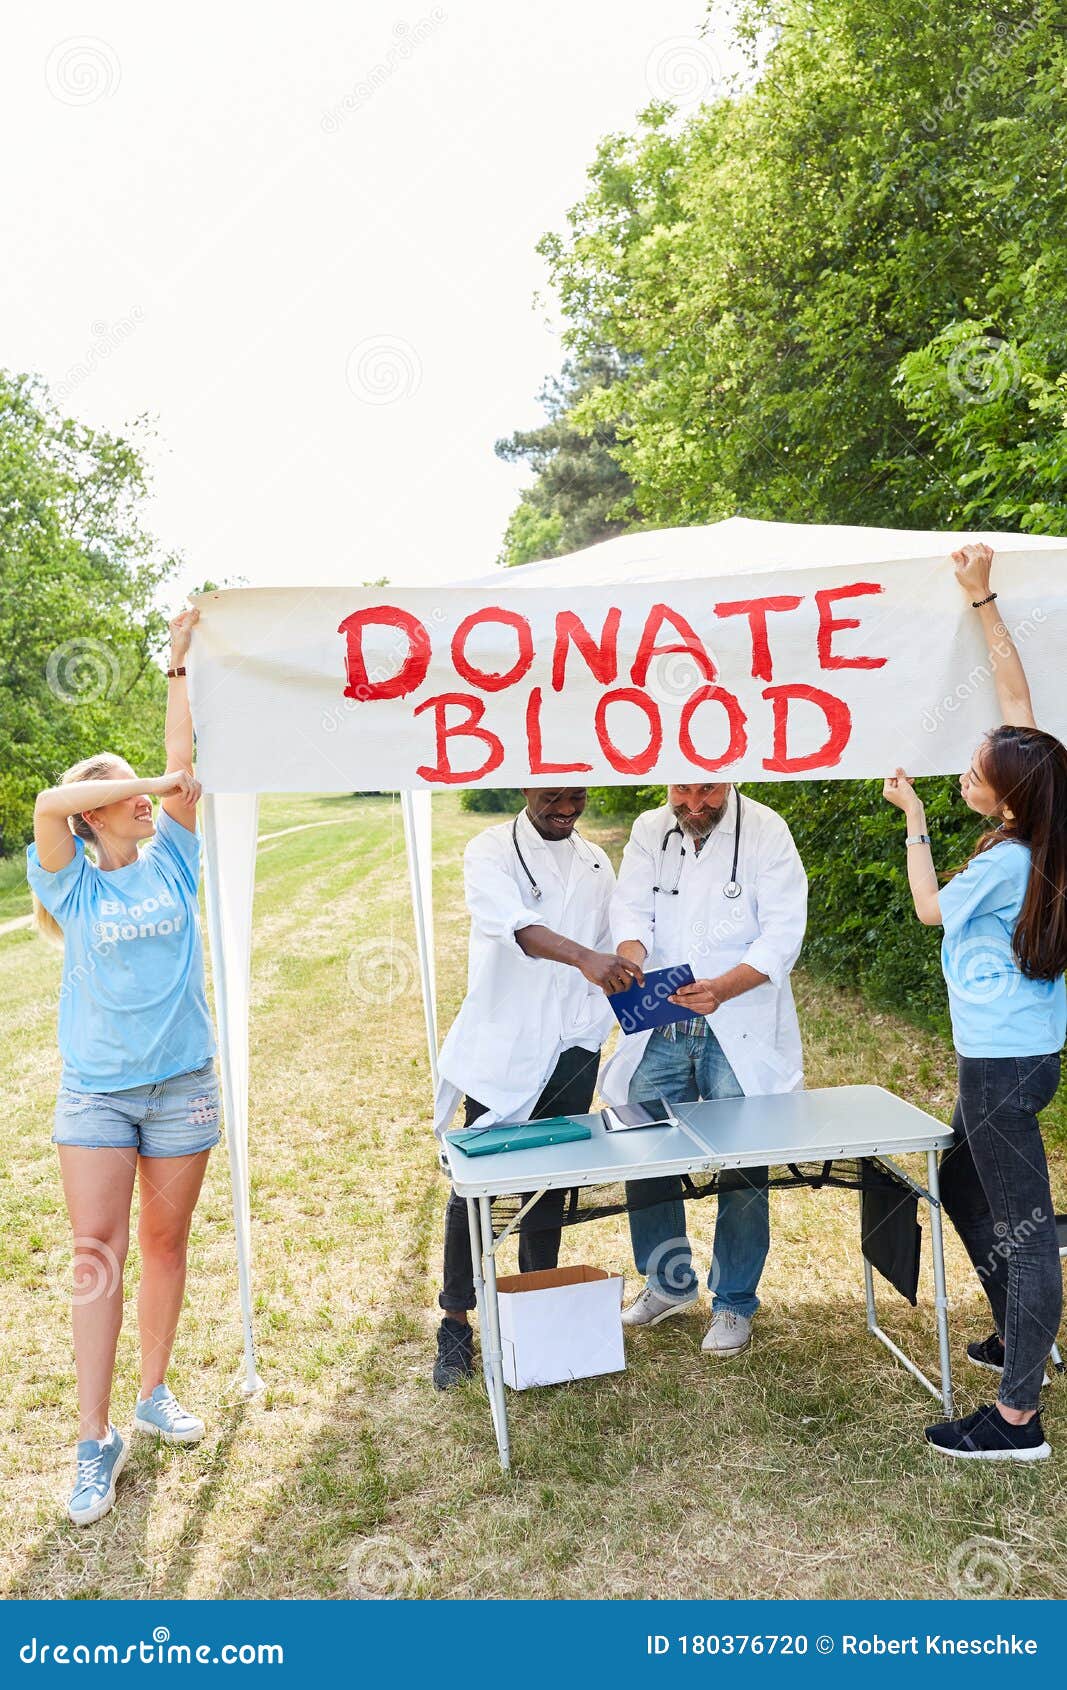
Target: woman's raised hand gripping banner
745 650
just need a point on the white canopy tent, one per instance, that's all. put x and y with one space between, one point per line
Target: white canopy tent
281 704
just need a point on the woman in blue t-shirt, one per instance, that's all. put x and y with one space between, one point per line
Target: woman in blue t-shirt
138 1095
1004 955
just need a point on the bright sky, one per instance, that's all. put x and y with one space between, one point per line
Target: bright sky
302 239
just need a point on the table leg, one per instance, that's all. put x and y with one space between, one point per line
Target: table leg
491 1351
474 1227
868 1286
937 1247
938 1391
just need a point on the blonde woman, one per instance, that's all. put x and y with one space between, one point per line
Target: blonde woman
138 1097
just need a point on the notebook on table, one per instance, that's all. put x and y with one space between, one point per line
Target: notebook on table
518 1135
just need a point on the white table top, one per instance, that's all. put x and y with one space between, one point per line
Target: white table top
834 1122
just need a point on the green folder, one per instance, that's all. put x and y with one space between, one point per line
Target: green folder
518 1135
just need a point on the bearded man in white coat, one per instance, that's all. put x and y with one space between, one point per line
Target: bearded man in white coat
526 1042
713 879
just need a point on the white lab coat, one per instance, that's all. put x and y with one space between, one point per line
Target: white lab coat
764 927
521 1013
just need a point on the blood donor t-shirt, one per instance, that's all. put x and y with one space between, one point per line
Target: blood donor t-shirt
132 1006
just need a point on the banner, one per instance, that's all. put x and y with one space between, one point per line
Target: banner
790 671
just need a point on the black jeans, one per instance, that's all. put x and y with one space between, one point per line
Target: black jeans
995 1186
569 1091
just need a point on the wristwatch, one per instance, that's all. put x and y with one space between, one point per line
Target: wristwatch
918 839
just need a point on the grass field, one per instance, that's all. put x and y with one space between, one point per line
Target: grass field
797 1470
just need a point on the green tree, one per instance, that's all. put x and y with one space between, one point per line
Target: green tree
79 581
580 495
837 296
839 292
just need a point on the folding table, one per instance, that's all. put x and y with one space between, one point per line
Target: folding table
823 1125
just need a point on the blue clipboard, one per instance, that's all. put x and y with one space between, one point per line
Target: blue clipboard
642 1007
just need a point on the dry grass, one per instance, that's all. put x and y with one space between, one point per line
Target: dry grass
798 1470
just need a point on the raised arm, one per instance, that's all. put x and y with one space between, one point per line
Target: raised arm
54 807
922 876
178 729
973 568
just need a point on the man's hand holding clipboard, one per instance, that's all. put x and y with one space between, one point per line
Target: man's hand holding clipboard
657 1000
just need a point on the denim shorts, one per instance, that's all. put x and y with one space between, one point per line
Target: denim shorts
176 1117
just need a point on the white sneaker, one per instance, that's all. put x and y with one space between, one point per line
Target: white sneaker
728 1334
99 1464
163 1415
651 1307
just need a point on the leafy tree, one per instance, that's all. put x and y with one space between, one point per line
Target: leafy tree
79 579
491 801
580 495
839 292
837 296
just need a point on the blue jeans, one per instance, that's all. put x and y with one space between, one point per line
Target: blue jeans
683 1070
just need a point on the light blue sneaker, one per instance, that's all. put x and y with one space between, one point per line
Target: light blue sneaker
164 1415
100 1461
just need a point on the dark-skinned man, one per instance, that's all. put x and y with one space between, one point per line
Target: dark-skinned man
526 1042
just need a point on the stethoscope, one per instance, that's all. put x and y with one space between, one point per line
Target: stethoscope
732 888
534 888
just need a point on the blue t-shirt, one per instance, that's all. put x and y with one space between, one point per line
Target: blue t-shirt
996 1009
132 1006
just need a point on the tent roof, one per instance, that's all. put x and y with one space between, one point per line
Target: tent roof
740 546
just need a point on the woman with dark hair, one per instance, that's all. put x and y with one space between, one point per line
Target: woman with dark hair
1004 955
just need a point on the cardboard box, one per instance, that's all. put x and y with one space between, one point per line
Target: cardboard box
559 1324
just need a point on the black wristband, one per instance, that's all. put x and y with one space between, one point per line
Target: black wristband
976 604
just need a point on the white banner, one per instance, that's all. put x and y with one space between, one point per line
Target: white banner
777 672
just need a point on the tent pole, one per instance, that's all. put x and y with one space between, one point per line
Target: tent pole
419 870
228 937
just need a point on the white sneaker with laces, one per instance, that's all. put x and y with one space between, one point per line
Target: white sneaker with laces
652 1306
728 1334
164 1415
100 1461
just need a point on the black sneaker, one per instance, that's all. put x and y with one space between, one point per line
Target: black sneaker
986 1436
989 1352
455 1354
